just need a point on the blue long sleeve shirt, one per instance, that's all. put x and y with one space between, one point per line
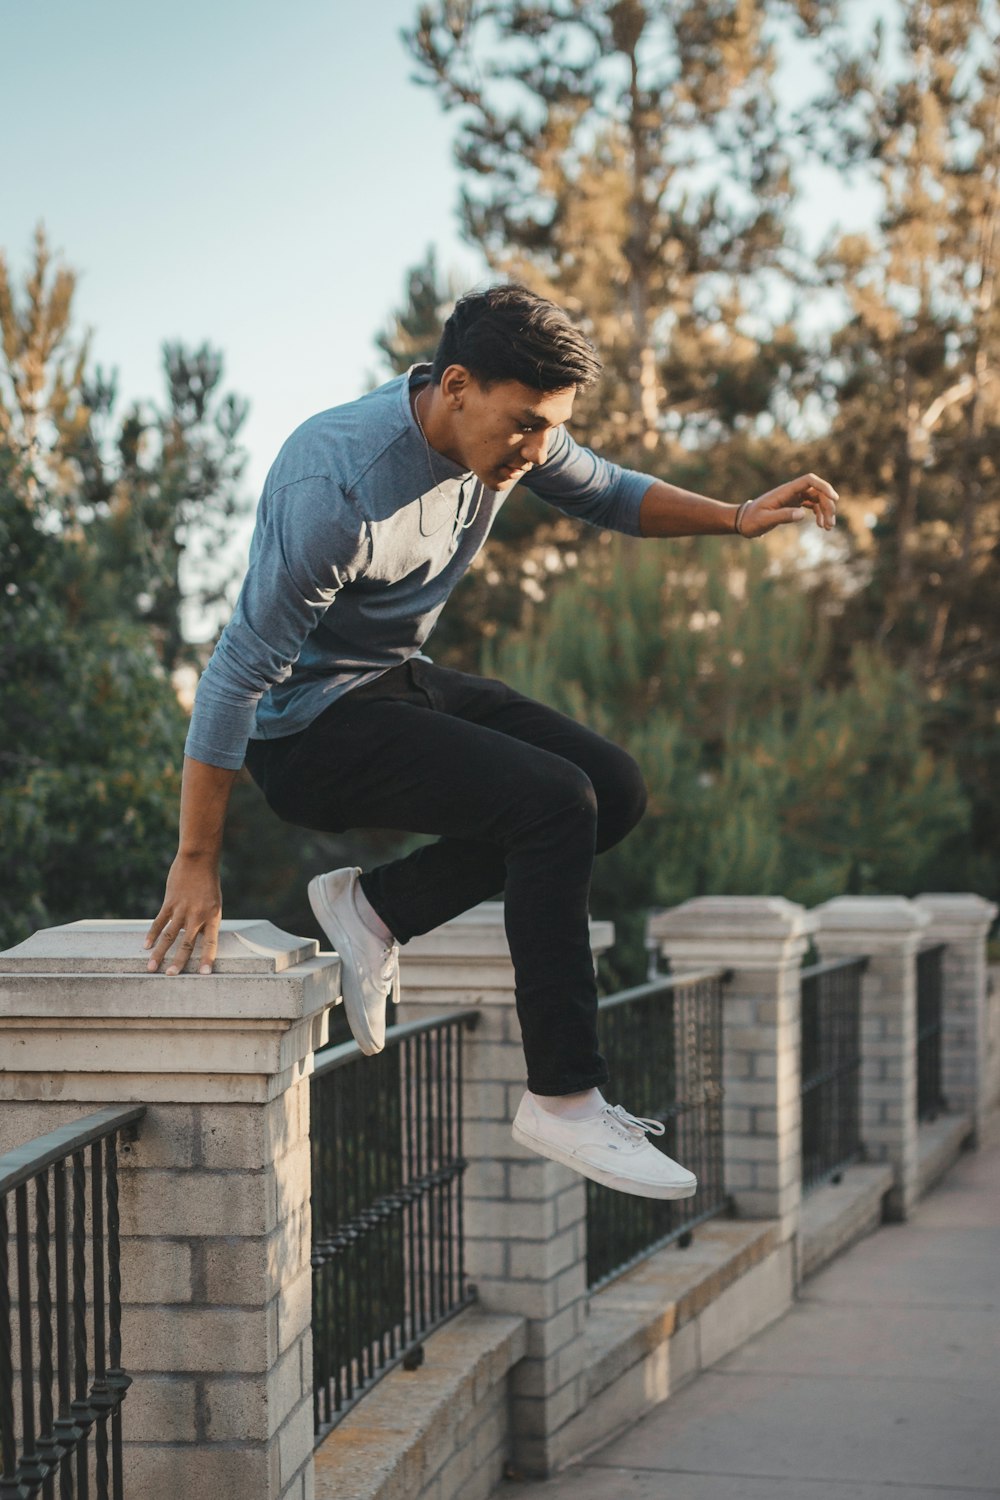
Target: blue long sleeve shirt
353 555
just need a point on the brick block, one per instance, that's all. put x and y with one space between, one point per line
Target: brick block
485 1257
485 1179
194 1339
160 1408
529 1219
492 1138
546 1339
295 1439
161 1203
540 1416
539 1178
571 1285
495 1062
235 1408
543 1258
162 1473
294 1309
293 1180
571 1206
740 1175
485 1101
525 1299
236 1272
155 1270
167 1137
233 1136
289 1246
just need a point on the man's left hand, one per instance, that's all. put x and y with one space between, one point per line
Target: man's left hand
791 502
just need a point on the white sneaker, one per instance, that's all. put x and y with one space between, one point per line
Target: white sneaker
369 967
610 1147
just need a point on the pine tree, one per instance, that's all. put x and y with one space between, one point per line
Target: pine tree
148 498
93 732
762 779
413 330
625 158
914 372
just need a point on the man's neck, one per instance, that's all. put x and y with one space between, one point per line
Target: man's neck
432 416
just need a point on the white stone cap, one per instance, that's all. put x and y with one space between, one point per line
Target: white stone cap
875 916
94 969
115 947
958 911
731 917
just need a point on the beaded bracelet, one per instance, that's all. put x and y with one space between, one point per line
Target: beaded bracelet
737 517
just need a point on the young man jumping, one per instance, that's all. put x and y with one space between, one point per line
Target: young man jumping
369 516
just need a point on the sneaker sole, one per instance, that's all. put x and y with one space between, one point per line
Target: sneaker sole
360 1030
600 1174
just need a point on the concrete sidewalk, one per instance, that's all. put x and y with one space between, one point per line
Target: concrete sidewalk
882 1382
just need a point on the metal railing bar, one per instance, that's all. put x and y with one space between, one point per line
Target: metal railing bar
345 1052
25 1162
662 985
834 965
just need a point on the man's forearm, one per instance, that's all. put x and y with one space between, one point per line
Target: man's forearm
205 793
666 510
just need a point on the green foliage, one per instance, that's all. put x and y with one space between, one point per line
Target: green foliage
764 777
150 496
629 158
412 333
101 522
911 377
90 764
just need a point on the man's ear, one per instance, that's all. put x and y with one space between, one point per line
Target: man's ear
454 384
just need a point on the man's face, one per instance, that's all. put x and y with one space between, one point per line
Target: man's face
503 430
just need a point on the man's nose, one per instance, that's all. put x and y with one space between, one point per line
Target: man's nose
535 448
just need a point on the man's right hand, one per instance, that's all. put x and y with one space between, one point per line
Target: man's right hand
192 904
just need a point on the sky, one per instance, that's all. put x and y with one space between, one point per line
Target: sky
259 176
254 175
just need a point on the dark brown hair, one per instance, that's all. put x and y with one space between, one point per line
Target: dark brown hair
509 333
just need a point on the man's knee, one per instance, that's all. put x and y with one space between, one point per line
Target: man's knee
561 790
625 802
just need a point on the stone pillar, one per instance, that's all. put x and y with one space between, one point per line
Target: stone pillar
216 1234
761 939
525 1216
888 930
962 922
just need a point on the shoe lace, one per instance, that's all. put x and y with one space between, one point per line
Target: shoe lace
389 971
636 1125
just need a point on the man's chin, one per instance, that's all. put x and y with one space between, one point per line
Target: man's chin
506 481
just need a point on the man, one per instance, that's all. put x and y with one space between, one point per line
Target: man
368 518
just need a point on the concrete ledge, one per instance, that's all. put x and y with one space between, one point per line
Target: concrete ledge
433 1433
939 1144
837 1214
654 1328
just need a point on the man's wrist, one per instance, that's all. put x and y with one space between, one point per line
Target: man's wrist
198 856
738 519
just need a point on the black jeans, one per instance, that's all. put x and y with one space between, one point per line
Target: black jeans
521 797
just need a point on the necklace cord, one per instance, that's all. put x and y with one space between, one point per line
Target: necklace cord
430 469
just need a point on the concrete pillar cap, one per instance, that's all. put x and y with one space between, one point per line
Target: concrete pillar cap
960 911
875 915
724 917
115 947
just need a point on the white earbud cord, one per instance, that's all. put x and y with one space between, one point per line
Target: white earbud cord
430 469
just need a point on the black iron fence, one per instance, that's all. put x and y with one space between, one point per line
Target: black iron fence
388 1247
665 1039
830 1068
61 1383
930 1100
